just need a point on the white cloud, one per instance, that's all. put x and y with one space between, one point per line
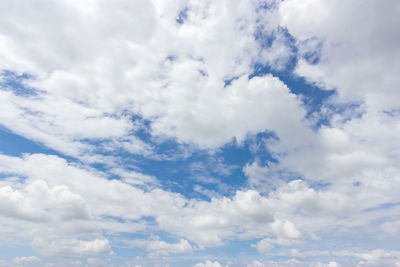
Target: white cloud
391 227
77 196
209 223
293 263
25 260
233 112
359 55
266 178
208 264
68 247
52 218
93 262
287 235
135 178
106 69
301 255
377 257
159 247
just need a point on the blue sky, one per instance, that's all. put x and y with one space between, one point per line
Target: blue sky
199 133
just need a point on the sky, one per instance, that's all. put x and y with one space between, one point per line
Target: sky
225 133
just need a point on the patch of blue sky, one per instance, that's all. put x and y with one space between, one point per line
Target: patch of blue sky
183 169
174 175
126 250
312 96
311 49
266 5
16 145
17 83
312 57
266 40
278 254
122 255
229 81
349 111
171 58
222 166
392 112
9 251
172 170
148 220
387 205
240 248
182 16
348 238
317 185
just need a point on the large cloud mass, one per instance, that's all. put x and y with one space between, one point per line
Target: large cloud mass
177 129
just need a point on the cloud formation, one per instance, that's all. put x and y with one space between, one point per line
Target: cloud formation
178 130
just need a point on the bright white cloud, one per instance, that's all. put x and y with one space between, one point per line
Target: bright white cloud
208 264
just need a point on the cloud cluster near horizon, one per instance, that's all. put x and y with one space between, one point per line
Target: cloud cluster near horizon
199 133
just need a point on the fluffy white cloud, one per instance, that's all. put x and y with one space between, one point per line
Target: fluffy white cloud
170 74
82 199
53 218
159 247
359 61
208 264
359 55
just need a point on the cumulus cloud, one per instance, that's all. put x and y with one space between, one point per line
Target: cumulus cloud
164 248
347 55
208 264
77 196
184 98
